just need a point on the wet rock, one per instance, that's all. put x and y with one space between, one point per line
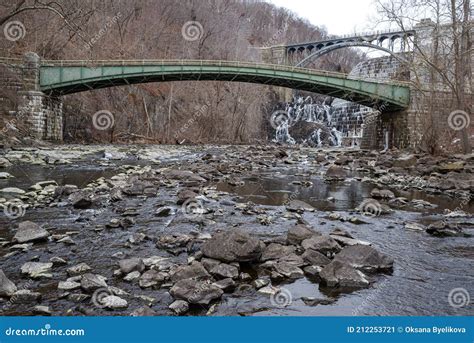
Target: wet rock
5 175
116 194
404 161
81 199
131 264
151 278
37 269
78 269
261 282
276 251
57 261
65 190
269 290
335 173
339 274
288 270
365 258
179 307
7 287
324 244
315 258
68 285
312 271
299 206
91 282
14 191
315 301
444 229
451 166
185 175
344 241
223 271
382 194
299 233
209 263
163 212
225 284
185 195
233 246
30 232
172 241
24 296
114 302
4 163
195 270
132 276
196 292
341 232
144 311
414 227
42 310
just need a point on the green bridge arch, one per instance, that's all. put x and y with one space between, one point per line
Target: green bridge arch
66 77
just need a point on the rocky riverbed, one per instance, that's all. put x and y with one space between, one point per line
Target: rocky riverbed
234 230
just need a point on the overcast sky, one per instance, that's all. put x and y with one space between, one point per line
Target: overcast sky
338 16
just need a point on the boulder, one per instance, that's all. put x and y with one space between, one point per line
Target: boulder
224 271
288 270
78 269
194 270
365 258
114 302
299 233
30 232
444 229
299 206
7 287
151 278
225 284
233 246
335 173
315 258
90 282
81 199
196 292
382 194
179 307
325 244
37 269
340 274
144 311
276 251
131 264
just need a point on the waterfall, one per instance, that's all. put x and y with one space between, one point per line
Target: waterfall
303 110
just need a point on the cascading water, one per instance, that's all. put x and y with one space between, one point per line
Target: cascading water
303 110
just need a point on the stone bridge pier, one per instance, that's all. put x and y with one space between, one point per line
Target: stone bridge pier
40 113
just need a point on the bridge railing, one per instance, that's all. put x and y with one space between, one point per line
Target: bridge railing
214 63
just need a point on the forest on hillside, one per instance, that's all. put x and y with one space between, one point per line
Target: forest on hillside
221 112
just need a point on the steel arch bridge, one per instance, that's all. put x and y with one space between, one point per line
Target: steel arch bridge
66 77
